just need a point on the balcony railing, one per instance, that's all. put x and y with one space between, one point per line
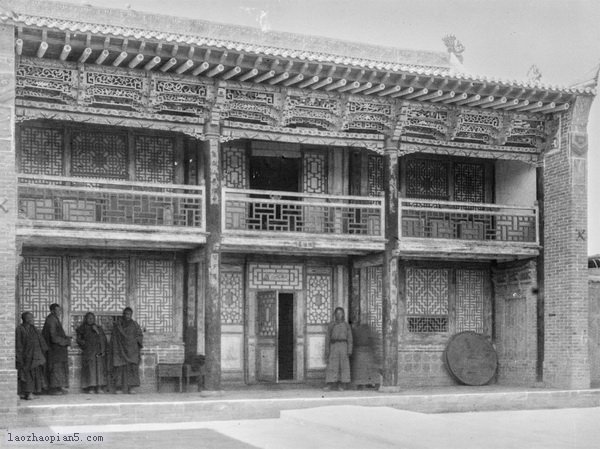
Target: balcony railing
111 203
468 221
256 211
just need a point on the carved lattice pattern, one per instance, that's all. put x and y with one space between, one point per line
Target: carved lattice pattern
154 159
178 97
375 175
314 172
48 82
96 154
39 286
426 178
235 167
103 88
98 284
71 199
275 276
374 315
470 294
447 220
427 295
326 215
155 294
41 151
318 302
232 297
267 313
469 183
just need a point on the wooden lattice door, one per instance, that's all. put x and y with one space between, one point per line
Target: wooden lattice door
266 322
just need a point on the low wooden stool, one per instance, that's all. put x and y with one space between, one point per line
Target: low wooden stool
164 370
194 369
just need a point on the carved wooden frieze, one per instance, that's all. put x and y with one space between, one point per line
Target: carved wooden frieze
46 81
424 121
477 126
177 95
312 111
248 105
368 115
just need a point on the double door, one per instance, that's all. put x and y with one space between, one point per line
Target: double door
276 337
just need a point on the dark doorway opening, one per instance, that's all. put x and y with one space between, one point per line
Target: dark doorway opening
285 343
274 173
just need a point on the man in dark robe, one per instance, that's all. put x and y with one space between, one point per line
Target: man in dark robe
338 348
365 366
57 365
92 341
30 349
126 342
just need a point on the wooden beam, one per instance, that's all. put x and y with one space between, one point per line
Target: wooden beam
435 94
281 77
404 92
364 86
119 59
551 107
499 101
19 46
167 65
249 74
482 101
536 105
322 83
294 80
136 61
150 64
469 100
389 91
351 86
200 69
446 96
506 104
516 105
232 72
308 82
417 94
102 56
84 55
456 98
265 76
374 89
65 52
336 85
184 67
41 51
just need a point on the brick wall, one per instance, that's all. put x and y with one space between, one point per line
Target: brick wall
566 361
8 216
594 332
515 307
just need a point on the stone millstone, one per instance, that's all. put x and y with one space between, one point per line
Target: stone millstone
471 358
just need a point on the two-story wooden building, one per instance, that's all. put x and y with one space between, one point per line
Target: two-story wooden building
233 187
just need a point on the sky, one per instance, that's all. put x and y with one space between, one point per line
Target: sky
503 38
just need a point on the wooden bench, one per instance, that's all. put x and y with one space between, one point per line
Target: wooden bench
169 370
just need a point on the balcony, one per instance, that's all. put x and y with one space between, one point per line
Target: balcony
65 211
468 229
262 220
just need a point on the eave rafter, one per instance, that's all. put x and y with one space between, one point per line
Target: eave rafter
426 85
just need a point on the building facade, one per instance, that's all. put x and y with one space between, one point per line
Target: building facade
233 187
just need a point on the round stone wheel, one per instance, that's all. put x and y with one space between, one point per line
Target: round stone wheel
471 358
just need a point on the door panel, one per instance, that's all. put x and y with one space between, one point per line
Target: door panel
266 321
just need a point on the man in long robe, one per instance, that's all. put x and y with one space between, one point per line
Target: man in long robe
30 360
126 342
365 366
57 365
92 341
338 348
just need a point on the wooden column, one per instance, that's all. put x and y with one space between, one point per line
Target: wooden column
212 306
390 267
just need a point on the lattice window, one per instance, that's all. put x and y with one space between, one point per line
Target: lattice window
375 175
318 302
427 295
470 293
314 172
374 315
427 178
232 297
41 151
39 286
98 154
469 185
235 168
267 313
155 294
98 285
154 159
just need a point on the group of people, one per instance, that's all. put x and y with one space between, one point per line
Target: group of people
346 344
42 357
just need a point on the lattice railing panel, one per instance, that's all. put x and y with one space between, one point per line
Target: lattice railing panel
110 202
155 295
468 221
39 286
256 210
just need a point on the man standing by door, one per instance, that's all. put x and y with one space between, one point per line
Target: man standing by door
338 348
57 363
126 343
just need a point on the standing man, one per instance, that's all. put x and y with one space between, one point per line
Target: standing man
338 348
30 349
57 362
126 342
92 341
